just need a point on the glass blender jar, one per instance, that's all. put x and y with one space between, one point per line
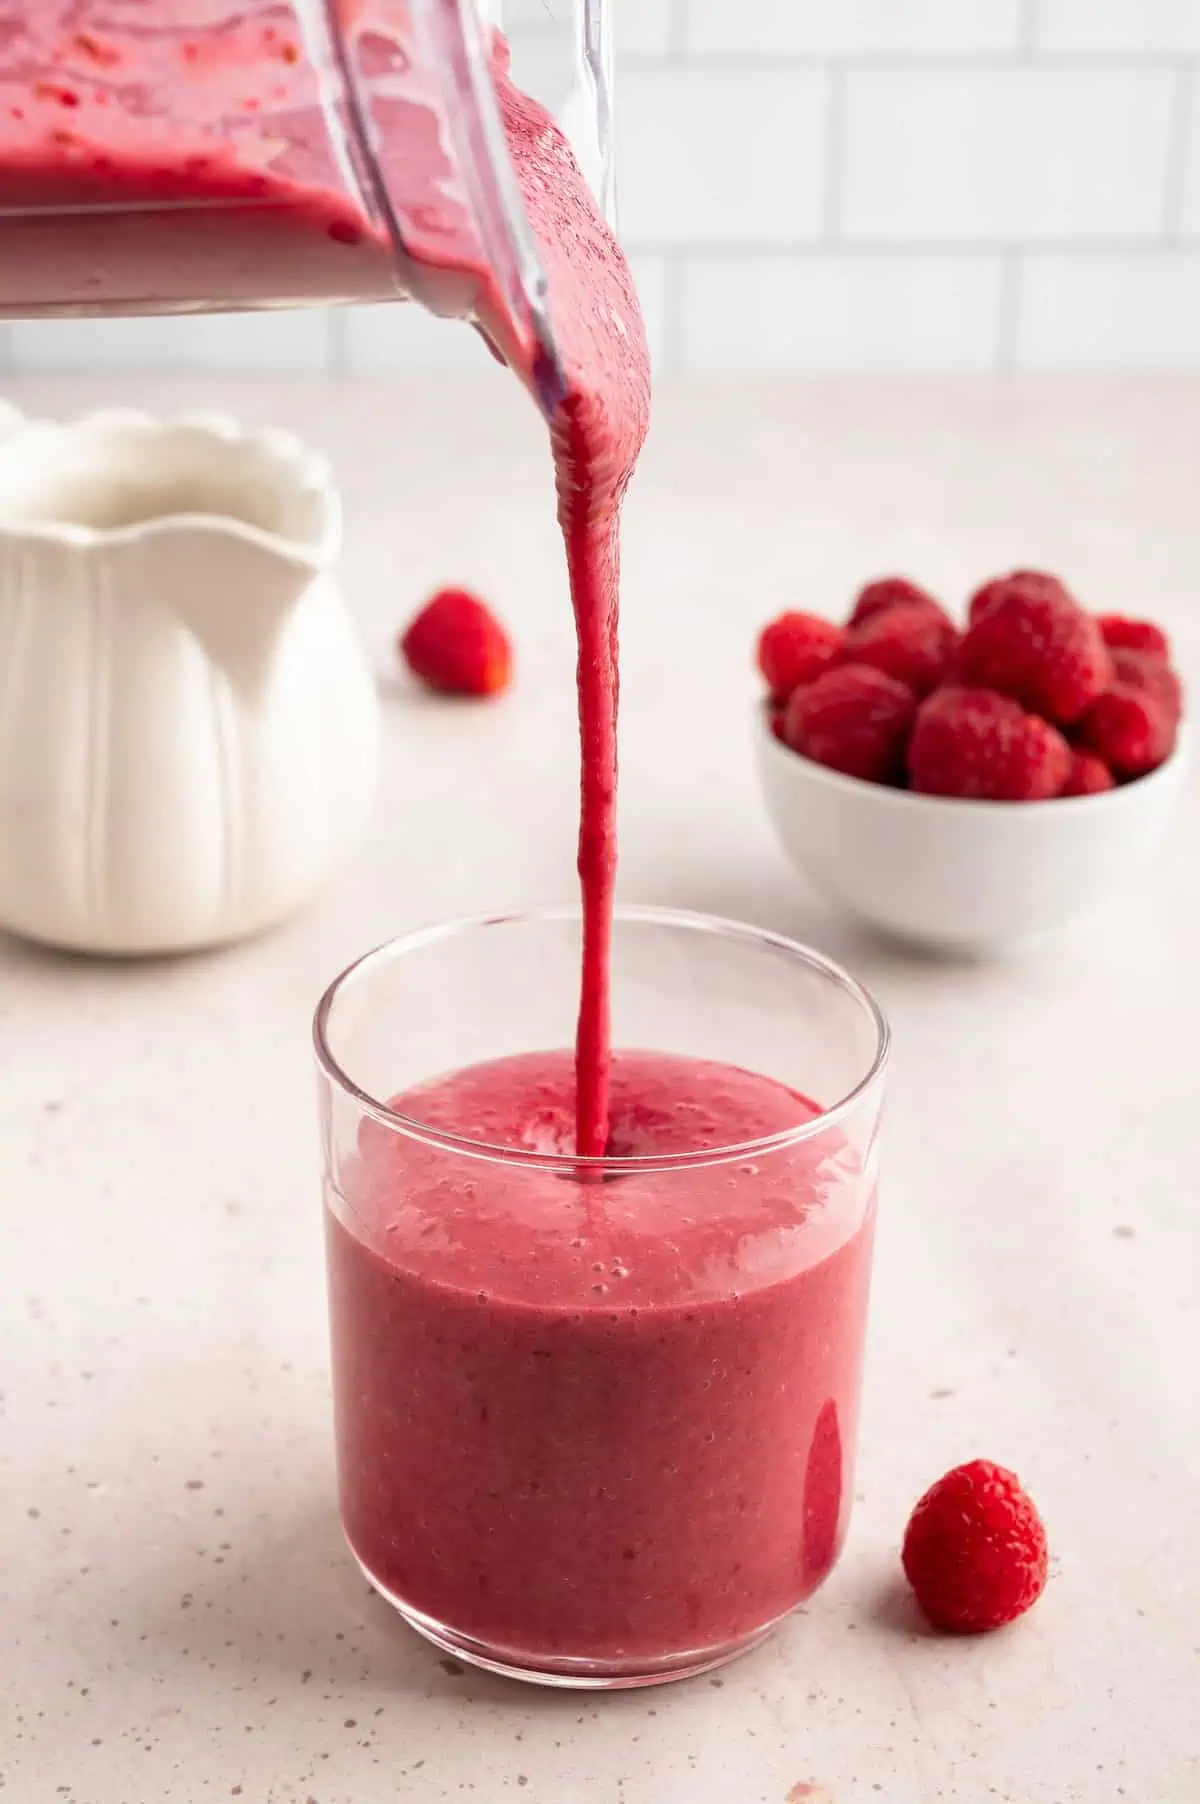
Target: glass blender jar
165 156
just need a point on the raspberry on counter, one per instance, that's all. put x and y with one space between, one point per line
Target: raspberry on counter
975 1550
456 646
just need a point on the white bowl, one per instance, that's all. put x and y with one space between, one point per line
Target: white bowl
962 875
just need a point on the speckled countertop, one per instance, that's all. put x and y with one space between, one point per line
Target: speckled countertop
180 1621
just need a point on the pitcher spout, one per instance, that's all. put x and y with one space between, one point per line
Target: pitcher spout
234 589
223 529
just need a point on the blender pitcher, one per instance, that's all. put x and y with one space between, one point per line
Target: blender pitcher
165 156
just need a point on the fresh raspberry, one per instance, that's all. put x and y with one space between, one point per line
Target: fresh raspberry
1029 582
975 1550
976 744
891 592
1146 672
1088 776
1134 635
1133 725
853 719
1031 641
795 649
909 641
777 719
1129 726
457 646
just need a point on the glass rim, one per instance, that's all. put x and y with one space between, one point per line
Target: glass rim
683 920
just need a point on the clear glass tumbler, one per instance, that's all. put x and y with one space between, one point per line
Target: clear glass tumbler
596 1418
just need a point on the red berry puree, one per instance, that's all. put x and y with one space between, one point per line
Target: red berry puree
608 1422
593 1420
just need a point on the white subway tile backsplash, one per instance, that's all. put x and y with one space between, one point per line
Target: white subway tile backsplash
812 314
640 27
851 27
1005 154
1137 27
281 339
1140 310
720 156
814 185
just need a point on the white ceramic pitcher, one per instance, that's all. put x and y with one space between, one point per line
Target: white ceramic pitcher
189 730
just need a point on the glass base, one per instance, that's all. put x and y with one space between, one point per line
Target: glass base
567 1673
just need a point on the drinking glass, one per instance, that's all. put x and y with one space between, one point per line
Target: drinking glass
596 1418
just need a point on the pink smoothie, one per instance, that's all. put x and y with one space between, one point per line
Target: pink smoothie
610 1421
163 153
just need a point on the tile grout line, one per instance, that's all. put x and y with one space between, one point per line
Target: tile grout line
1178 148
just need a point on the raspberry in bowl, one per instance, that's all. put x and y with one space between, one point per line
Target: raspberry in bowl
969 787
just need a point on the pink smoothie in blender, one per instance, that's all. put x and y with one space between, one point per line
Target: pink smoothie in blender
597 1318
162 154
